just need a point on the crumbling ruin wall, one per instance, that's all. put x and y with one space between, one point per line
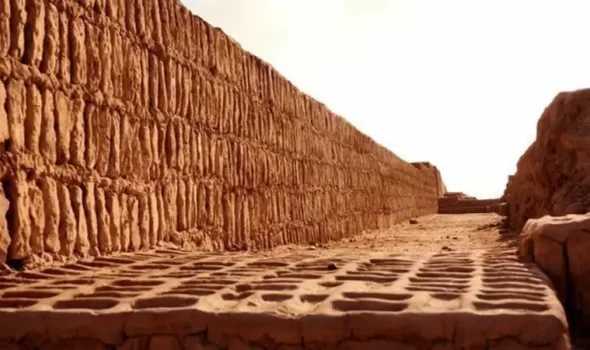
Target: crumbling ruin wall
126 124
552 175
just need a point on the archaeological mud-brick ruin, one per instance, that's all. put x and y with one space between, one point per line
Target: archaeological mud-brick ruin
164 189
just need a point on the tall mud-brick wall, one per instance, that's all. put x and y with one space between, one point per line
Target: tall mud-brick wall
126 124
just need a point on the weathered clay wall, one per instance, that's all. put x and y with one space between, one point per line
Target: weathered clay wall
125 124
552 175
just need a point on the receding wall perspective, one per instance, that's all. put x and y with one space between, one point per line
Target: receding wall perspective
130 124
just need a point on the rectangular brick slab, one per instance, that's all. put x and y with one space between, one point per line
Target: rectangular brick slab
173 300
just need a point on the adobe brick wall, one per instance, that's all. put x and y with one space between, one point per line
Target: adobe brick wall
129 124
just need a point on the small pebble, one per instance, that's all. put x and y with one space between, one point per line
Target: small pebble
332 267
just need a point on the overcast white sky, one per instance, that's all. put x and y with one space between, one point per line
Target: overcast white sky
459 83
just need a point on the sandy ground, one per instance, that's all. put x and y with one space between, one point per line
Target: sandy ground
431 233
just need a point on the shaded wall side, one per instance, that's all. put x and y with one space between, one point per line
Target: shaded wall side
552 175
129 124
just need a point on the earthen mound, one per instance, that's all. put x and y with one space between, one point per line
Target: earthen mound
552 176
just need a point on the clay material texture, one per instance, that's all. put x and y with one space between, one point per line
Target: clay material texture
126 125
559 245
409 292
552 175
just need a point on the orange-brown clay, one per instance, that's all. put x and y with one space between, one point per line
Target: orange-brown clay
348 296
128 125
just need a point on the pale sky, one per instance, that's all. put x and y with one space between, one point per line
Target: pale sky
458 83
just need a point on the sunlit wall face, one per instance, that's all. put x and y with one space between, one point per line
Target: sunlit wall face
459 83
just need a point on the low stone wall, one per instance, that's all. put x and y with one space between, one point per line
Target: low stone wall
459 203
130 124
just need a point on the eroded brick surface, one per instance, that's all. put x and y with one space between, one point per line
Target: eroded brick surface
170 299
125 124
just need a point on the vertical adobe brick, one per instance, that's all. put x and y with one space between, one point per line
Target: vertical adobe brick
78 61
229 219
170 193
82 244
181 206
180 144
145 79
132 72
67 221
145 136
98 59
157 21
122 13
171 146
37 218
21 225
192 151
51 215
144 224
92 123
64 124
113 207
140 17
100 6
190 203
48 138
4 128
212 159
154 219
125 217
173 26
162 140
155 141
130 16
162 217
136 157
15 107
171 85
117 62
64 48
18 19
128 132
153 76
162 87
5 32
202 205
133 206
34 106
4 229
165 22
112 9
216 206
50 62
148 9
91 220
200 153
180 88
103 222
78 137
114 166
34 32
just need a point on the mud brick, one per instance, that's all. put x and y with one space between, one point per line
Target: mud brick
82 244
98 59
